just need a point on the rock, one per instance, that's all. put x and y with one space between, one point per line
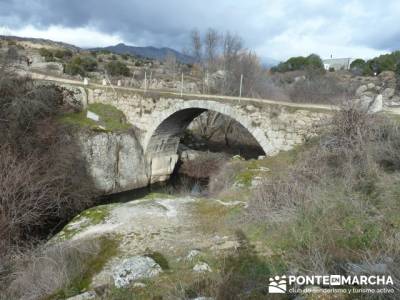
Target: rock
263 169
387 75
93 116
361 90
370 86
298 78
84 296
203 298
140 285
48 67
237 157
367 268
250 108
261 157
256 181
227 245
190 154
135 268
101 289
202 267
376 105
388 93
111 157
365 102
74 97
192 254
394 101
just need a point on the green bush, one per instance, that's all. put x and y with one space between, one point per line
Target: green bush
361 67
47 54
312 61
80 65
62 54
116 68
88 63
385 62
73 69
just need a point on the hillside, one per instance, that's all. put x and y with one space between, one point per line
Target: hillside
147 52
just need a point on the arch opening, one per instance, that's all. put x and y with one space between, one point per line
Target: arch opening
163 142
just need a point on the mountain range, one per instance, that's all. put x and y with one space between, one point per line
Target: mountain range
148 52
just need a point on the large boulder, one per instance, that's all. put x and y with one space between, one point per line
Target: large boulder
361 89
388 93
115 161
133 269
376 105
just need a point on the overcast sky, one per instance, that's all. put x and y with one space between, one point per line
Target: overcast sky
273 28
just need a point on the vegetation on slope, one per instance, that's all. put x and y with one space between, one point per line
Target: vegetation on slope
385 62
328 206
110 118
43 180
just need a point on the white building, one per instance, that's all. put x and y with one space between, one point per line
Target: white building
337 63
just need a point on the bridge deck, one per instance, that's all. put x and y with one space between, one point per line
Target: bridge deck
310 106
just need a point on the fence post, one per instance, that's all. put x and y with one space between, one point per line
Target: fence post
241 85
182 86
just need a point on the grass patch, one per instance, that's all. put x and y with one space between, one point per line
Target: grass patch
209 214
160 259
112 119
81 283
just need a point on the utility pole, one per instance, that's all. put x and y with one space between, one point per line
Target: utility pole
151 75
241 85
145 81
182 85
207 82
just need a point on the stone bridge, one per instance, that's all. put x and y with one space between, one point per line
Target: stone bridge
161 122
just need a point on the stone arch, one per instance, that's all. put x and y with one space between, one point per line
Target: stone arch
162 138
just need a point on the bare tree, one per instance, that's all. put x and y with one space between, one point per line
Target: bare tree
211 41
247 64
232 45
197 46
170 63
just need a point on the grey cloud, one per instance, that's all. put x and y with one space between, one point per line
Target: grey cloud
167 23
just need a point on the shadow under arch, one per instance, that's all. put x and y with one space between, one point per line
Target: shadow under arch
162 139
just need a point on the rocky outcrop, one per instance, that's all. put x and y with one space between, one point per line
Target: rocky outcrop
157 236
115 160
378 92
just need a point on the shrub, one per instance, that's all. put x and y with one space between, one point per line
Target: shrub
89 63
63 54
312 61
72 68
43 181
47 54
12 53
117 68
319 89
80 65
47 270
203 166
223 180
331 207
